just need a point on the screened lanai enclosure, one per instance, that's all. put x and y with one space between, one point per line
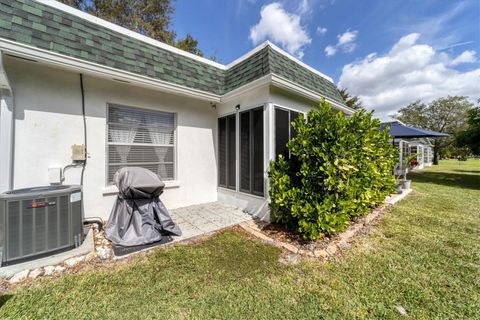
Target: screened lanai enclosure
410 141
251 149
247 141
421 148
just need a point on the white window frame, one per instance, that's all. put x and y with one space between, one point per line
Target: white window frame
266 142
107 143
289 109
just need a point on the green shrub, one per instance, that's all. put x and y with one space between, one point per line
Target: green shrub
340 168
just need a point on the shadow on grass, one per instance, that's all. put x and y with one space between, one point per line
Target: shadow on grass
4 298
466 181
467 171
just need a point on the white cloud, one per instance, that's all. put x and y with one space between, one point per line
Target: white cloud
408 72
330 51
303 7
321 31
347 37
468 56
281 27
345 43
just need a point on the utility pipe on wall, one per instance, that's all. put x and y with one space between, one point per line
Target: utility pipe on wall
7 132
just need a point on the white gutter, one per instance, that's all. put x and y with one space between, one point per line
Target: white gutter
83 66
7 137
301 63
265 80
132 34
86 67
106 24
289 85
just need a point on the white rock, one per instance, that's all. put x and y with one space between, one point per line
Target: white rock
59 269
90 256
104 253
401 310
289 258
74 261
18 277
49 270
35 273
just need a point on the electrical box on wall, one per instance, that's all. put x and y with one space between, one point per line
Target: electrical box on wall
54 175
78 152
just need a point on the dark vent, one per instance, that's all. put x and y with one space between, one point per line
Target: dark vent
13 221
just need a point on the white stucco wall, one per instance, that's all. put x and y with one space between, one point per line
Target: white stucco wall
48 120
285 99
250 99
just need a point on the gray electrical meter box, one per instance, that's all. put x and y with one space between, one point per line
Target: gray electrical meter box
78 152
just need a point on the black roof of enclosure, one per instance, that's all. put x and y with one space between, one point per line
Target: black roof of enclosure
400 130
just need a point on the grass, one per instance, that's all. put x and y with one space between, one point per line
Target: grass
424 256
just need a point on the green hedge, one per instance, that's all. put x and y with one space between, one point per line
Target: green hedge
340 168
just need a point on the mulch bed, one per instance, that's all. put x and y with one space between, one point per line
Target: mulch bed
279 233
359 227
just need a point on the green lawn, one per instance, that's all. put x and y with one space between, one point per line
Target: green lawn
424 256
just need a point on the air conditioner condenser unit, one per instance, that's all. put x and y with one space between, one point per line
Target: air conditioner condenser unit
35 222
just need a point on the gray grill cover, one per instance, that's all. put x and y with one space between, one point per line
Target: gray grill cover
138 216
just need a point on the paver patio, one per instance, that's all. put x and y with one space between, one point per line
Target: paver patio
203 218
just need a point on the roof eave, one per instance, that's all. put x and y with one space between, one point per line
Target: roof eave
86 67
111 26
307 93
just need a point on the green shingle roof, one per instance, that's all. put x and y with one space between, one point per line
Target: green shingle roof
44 27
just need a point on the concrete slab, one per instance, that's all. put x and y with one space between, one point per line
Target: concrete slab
201 219
86 247
392 199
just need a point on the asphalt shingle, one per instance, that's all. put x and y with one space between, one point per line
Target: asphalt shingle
44 27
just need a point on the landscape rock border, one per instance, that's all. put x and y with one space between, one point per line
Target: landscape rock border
49 266
102 250
336 244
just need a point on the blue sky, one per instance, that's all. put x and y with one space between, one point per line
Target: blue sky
388 52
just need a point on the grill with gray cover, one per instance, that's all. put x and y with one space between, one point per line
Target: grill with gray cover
138 216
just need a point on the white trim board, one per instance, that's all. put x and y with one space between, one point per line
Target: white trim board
7 130
83 66
78 13
281 51
86 67
286 84
138 36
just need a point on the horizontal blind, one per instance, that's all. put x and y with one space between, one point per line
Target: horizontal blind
222 152
141 138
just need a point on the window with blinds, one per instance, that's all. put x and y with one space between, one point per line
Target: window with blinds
140 138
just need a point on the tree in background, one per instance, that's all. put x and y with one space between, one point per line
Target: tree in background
151 18
353 102
189 44
446 115
471 136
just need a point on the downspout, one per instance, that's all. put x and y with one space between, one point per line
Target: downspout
82 92
91 220
7 132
